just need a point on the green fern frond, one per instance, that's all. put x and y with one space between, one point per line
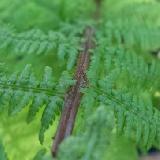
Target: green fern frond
131 34
23 89
126 66
135 115
121 82
33 41
37 42
136 118
129 23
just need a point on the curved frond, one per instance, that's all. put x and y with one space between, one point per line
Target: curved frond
24 89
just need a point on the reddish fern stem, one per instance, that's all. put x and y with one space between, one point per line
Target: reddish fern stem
73 97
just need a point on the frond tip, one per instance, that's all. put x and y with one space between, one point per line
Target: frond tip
49 114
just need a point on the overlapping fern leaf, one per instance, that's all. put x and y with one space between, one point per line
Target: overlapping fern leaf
23 89
65 42
36 41
130 34
130 23
126 83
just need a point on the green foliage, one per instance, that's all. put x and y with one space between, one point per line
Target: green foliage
93 143
3 155
98 142
119 111
23 89
36 41
123 148
41 155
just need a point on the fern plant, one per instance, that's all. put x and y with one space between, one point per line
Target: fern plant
86 69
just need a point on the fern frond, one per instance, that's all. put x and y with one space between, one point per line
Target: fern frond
129 23
133 35
129 69
24 84
36 41
24 89
32 41
136 117
125 82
